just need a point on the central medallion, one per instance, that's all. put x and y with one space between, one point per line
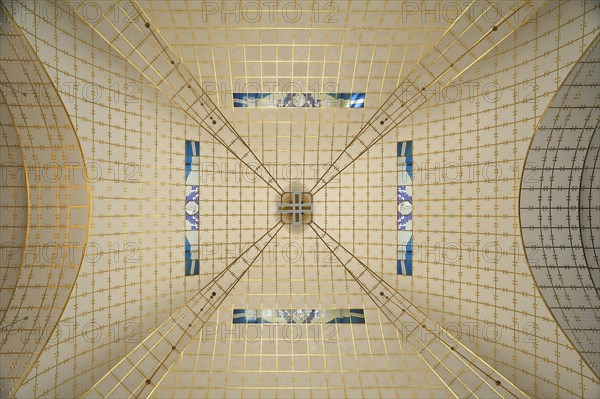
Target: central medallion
295 208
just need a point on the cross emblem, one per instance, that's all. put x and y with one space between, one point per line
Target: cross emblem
295 208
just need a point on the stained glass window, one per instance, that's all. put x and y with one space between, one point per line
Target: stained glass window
299 316
299 100
405 175
192 208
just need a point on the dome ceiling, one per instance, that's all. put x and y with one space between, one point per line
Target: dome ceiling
45 208
559 221
199 142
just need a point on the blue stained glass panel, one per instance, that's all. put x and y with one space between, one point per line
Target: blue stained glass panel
405 207
298 316
192 207
299 100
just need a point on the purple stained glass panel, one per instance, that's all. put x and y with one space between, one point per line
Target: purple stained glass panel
191 207
404 201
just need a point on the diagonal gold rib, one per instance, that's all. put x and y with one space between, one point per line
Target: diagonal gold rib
464 373
434 69
127 29
141 370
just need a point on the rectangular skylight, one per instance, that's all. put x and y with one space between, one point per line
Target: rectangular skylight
299 100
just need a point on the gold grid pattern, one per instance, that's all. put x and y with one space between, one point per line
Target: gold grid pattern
366 47
143 368
129 33
356 207
367 360
132 276
55 208
13 208
558 191
469 269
